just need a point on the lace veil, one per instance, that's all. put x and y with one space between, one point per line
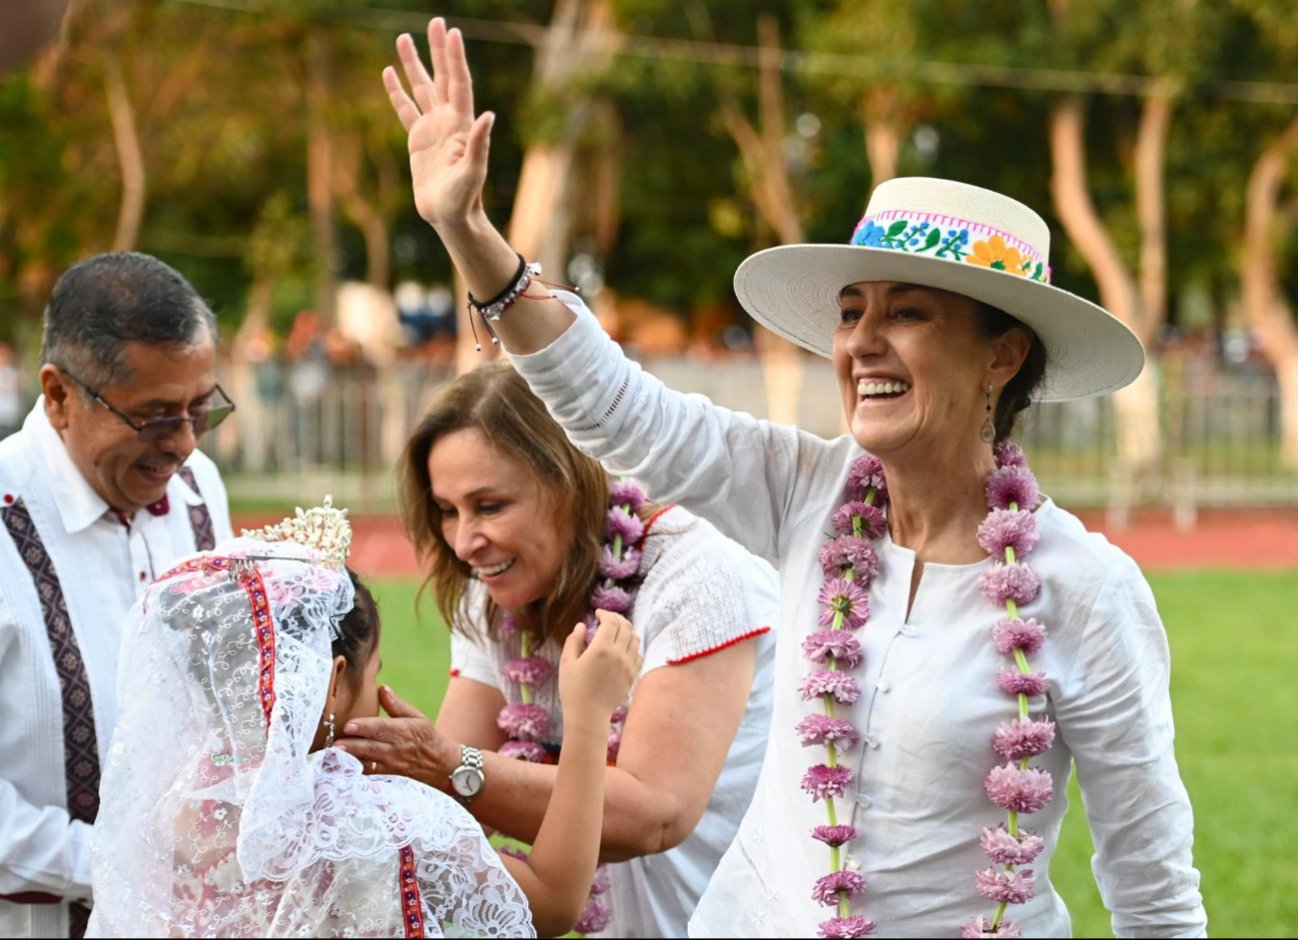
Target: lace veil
215 820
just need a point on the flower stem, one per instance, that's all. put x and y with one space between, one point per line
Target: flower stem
525 688
1000 912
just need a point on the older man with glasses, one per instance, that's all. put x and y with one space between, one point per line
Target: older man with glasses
100 491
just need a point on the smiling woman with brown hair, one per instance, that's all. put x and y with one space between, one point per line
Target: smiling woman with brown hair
522 536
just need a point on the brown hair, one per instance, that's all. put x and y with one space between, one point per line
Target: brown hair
1017 394
495 400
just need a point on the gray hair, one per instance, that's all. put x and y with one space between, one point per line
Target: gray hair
114 298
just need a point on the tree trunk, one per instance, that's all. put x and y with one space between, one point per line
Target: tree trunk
254 421
883 132
1264 304
1286 373
1136 406
762 152
319 168
1151 146
362 211
130 158
541 224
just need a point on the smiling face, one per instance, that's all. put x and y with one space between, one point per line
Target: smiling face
498 518
913 368
168 379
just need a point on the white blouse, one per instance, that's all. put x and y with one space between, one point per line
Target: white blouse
700 593
102 567
930 702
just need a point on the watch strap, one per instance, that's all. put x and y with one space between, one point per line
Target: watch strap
470 759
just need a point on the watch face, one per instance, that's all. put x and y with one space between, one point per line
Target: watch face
467 781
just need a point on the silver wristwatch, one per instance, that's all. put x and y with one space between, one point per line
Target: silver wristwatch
468 778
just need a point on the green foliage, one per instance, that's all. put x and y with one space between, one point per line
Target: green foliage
218 94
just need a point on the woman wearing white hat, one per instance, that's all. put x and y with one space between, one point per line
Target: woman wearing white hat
951 641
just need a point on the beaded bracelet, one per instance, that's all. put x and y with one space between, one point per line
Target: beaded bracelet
493 309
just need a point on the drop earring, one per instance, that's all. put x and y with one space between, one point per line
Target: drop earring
329 730
988 429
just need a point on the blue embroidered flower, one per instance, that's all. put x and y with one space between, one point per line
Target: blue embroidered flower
868 235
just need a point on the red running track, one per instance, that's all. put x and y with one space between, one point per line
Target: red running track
1239 538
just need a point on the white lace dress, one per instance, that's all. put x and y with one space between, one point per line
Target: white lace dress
216 821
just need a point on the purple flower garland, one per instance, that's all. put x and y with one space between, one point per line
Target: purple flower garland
526 723
850 562
1009 533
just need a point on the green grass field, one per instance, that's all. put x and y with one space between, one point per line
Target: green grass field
1236 703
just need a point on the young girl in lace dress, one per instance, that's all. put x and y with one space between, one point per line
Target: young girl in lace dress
226 811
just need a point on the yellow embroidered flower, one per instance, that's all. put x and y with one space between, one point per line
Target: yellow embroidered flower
994 253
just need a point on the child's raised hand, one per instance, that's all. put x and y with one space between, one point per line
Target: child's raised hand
598 675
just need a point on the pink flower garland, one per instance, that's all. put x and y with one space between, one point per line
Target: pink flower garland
850 562
526 723
1008 533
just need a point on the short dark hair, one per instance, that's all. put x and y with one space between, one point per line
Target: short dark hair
122 296
1018 391
358 631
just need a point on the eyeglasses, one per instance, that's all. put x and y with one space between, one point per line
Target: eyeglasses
159 429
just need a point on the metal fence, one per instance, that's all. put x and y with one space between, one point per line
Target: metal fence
1220 434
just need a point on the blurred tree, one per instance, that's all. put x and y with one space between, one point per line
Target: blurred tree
1270 211
1127 38
655 143
26 27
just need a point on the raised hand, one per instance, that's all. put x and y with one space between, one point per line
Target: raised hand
448 144
598 675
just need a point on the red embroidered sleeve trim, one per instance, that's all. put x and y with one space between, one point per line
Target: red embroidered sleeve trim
412 907
652 519
454 672
264 630
717 649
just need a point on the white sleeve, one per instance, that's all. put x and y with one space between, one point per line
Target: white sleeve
729 467
41 847
470 660
704 594
1118 726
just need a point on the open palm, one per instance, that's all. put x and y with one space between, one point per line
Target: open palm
448 145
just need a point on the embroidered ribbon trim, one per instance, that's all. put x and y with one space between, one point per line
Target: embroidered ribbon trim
952 239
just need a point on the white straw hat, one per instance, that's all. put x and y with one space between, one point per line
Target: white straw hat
957 237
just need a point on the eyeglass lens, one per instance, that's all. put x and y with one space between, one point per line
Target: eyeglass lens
151 432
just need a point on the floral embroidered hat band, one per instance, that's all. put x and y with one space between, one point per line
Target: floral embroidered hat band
961 238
